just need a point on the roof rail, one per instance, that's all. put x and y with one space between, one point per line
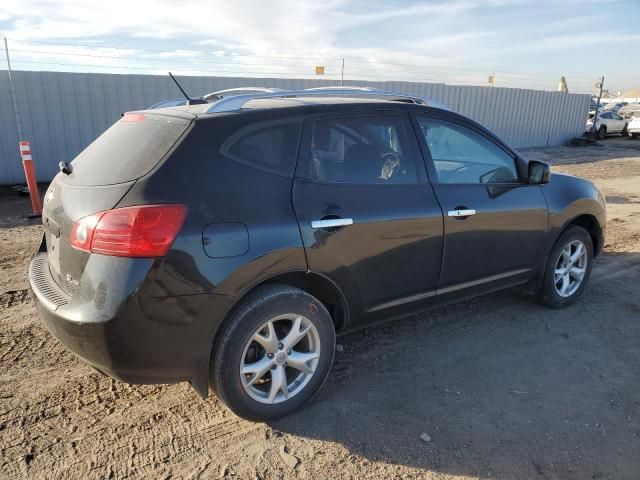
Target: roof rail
236 102
220 94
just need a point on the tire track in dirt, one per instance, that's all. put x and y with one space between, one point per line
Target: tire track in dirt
13 298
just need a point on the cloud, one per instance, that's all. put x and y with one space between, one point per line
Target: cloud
376 37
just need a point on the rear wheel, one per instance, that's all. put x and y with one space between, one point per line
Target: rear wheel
568 268
602 132
273 354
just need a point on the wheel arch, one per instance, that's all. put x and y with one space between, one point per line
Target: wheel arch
587 221
319 286
315 284
591 224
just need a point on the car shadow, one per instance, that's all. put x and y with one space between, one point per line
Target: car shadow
502 386
619 199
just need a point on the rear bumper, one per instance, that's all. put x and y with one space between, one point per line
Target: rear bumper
117 328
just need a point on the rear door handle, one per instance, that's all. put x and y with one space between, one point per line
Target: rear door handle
461 213
332 223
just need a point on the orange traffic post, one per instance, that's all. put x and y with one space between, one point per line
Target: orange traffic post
30 173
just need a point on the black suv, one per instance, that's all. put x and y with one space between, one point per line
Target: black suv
226 244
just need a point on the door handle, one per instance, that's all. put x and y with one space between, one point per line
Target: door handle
461 213
332 223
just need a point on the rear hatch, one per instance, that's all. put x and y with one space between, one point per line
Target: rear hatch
100 176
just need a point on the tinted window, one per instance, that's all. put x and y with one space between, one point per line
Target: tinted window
615 116
461 155
366 149
605 115
272 147
130 148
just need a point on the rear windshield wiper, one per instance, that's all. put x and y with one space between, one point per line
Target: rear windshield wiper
65 167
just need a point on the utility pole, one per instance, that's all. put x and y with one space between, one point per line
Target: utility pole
13 91
595 116
342 74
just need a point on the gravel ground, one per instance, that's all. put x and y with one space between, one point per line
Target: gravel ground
502 387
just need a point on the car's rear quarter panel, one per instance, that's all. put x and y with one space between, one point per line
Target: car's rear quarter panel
219 190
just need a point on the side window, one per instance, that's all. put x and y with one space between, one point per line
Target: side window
461 155
271 147
606 115
363 149
616 116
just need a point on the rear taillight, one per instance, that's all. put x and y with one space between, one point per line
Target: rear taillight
140 231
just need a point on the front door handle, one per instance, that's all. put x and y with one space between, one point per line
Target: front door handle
461 213
332 223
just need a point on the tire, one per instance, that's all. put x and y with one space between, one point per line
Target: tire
635 135
550 291
235 349
602 132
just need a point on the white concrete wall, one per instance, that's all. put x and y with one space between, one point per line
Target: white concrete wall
62 113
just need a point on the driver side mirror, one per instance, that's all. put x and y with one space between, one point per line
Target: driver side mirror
539 172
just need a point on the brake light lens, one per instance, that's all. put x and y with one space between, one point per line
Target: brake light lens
140 231
132 117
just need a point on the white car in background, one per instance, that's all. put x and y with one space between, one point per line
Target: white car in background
608 122
628 111
634 125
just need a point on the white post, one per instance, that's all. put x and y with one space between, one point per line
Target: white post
13 91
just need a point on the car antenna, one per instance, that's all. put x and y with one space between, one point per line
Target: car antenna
190 101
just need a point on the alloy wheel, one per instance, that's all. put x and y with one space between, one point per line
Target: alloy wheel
280 358
571 267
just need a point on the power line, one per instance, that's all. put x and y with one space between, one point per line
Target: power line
353 59
165 60
198 62
148 68
171 51
364 68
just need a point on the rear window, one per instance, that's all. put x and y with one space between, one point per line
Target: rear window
130 148
272 147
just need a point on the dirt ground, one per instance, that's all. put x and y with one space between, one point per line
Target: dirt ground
503 387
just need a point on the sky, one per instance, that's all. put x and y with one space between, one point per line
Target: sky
523 43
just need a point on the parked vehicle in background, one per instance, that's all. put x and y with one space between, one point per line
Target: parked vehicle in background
627 111
594 105
615 107
226 243
634 125
609 122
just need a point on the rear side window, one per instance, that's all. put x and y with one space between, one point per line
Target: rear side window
130 148
362 149
271 147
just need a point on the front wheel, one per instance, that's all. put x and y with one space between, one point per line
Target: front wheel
273 354
568 268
